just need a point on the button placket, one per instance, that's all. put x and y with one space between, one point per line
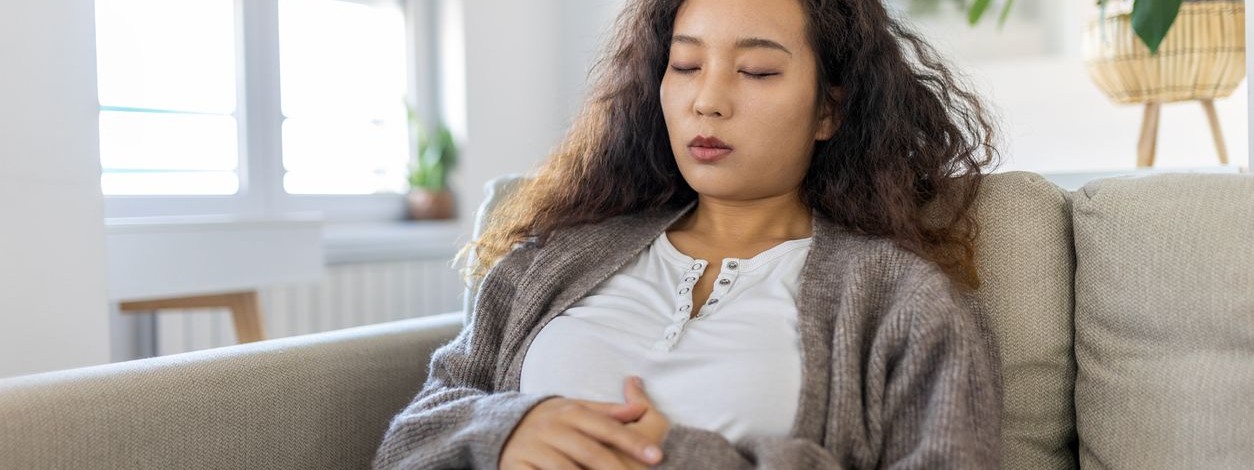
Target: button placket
680 318
726 277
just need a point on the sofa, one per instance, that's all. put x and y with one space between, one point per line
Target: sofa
1122 313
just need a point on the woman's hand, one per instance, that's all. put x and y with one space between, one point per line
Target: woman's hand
561 433
651 422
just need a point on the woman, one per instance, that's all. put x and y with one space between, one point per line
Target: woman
764 213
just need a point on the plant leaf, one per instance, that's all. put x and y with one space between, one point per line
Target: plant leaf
1151 19
977 10
1005 13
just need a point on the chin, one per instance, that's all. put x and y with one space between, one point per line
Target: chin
717 190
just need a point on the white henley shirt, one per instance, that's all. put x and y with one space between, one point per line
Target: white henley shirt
734 369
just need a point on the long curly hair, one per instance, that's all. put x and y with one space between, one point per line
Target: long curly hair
906 162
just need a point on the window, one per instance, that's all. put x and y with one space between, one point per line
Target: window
343 97
253 107
166 74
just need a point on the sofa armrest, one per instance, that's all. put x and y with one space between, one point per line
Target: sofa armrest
313 401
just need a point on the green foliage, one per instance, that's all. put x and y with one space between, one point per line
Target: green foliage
1152 18
436 156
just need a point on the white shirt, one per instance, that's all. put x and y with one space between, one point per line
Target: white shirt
734 369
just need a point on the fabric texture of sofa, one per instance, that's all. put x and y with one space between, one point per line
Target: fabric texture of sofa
1123 314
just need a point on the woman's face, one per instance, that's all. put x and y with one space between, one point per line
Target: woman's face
742 72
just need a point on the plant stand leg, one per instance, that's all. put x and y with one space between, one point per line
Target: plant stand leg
1215 131
1149 135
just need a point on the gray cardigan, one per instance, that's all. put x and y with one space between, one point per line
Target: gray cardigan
897 370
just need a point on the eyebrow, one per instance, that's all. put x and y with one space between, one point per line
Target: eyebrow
742 43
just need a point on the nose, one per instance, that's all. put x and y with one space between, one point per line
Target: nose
712 97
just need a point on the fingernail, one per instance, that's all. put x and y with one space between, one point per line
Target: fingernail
652 453
638 381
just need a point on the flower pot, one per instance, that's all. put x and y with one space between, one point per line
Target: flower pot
424 204
1201 58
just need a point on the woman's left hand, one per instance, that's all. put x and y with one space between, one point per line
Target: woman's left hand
652 424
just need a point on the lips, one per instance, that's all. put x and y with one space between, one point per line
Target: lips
708 149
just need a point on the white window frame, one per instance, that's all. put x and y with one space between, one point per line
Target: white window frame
259 119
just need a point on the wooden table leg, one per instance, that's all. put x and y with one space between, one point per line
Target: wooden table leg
246 313
244 306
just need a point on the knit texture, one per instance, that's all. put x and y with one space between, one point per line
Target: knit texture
897 372
1025 259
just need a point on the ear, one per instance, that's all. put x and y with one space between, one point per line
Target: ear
829 115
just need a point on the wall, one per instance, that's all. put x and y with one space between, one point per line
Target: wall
52 266
1054 119
524 65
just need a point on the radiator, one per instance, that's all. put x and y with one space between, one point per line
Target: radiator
349 295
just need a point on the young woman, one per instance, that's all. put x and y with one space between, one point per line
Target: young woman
753 249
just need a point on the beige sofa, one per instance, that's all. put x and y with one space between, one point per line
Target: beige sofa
1124 315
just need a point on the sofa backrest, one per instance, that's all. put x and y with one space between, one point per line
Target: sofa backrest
1025 261
313 401
1164 320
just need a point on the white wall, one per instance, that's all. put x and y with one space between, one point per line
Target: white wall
52 269
525 64
1054 119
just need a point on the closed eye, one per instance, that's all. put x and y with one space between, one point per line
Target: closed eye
753 75
759 76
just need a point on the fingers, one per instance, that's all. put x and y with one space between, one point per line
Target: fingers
633 391
623 412
551 458
618 436
588 453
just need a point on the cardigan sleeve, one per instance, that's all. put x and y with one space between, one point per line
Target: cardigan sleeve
457 420
942 403
941 406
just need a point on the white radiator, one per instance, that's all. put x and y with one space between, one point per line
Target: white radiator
349 295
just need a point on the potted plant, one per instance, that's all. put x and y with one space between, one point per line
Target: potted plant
1133 59
436 155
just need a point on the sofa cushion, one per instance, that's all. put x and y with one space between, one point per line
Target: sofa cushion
314 401
1164 321
1025 261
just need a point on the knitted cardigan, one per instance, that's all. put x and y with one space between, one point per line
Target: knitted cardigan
897 370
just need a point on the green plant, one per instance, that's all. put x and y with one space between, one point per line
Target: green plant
435 157
1151 19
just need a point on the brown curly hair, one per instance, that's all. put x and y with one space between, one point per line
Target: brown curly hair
906 162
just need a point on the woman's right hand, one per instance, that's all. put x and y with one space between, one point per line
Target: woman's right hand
561 433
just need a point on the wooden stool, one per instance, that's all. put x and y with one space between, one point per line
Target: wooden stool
1146 149
245 310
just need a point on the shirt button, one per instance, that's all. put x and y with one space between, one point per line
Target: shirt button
689 279
683 291
724 281
696 266
732 265
685 308
712 301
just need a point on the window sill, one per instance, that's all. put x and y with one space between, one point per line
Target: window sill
361 242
